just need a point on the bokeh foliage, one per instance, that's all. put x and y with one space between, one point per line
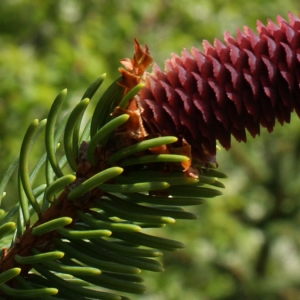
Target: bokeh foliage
246 243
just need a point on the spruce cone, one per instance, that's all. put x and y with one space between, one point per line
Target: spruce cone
204 97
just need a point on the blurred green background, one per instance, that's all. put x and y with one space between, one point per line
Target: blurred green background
246 243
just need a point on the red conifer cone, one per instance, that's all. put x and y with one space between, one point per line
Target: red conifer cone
203 97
